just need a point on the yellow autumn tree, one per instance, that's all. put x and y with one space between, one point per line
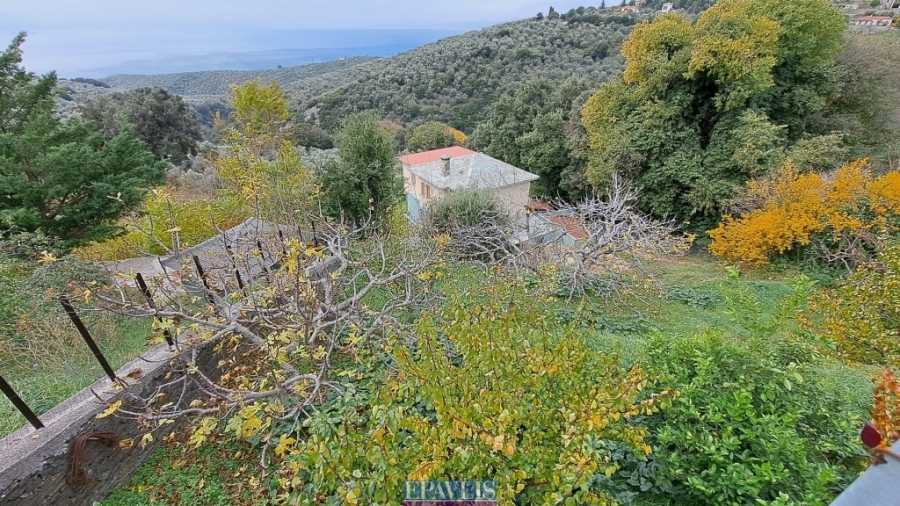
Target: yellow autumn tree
259 163
796 208
458 136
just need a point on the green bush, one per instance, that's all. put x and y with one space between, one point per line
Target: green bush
465 208
758 420
490 390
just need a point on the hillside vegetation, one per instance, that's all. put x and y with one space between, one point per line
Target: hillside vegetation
455 79
214 84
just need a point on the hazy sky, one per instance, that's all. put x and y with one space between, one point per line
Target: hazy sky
73 36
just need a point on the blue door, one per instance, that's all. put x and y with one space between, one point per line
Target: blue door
412 207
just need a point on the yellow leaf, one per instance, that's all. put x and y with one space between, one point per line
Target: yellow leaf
46 258
147 438
110 410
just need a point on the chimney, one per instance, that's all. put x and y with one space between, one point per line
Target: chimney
445 171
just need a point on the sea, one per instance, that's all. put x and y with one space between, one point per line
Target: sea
100 55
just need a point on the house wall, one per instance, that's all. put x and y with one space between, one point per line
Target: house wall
514 198
414 186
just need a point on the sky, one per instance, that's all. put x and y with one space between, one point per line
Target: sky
90 37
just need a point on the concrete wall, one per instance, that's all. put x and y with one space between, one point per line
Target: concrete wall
515 197
34 463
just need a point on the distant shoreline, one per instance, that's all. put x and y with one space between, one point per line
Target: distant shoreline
254 51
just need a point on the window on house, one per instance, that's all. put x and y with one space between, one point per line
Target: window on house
422 188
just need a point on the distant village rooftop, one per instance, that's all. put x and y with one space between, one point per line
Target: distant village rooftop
456 168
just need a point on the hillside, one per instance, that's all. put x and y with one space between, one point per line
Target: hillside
457 78
214 84
454 80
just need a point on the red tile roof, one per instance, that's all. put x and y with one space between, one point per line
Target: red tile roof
435 155
538 205
875 18
570 225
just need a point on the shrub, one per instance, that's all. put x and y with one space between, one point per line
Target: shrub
166 220
795 209
473 219
754 424
491 390
465 208
862 314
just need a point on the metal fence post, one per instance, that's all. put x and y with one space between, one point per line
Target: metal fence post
87 338
146 291
209 292
20 404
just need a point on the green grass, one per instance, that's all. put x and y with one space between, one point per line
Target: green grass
43 383
217 473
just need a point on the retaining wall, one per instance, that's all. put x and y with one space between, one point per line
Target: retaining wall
34 463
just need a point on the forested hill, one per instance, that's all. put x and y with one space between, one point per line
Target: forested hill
456 79
214 84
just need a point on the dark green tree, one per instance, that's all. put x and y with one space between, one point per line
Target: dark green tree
63 178
537 128
704 106
431 135
365 180
310 136
168 125
552 14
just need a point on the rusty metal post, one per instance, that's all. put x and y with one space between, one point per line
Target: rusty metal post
209 292
70 310
146 291
20 404
237 272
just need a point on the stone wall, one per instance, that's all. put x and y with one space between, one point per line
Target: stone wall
34 463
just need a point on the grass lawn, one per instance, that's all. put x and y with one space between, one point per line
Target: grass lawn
43 383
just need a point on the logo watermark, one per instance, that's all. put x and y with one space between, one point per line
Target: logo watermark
450 493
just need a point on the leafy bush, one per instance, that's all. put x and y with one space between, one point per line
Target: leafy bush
862 314
465 208
760 418
473 219
750 425
165 220
490 390
795 208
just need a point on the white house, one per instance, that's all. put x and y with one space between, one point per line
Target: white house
666 8
431 175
